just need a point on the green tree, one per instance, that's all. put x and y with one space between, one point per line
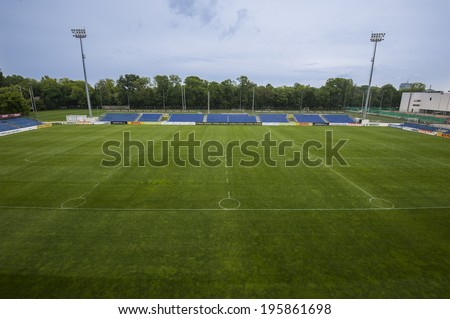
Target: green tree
281 97
304 96
229 96
51 93
132 89
2 78
196 92
162 89
12 101
418 87
389 96
339 91
106 92
215 92
174 91
78 94
13 80
245 91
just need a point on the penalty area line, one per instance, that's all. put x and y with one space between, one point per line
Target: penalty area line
349 181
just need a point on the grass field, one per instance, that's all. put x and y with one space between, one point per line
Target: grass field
377 228
60 115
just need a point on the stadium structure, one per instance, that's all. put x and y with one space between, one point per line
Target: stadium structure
373 226
427 103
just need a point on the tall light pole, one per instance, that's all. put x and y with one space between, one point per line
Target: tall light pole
81 34
253 101
376 37
183 96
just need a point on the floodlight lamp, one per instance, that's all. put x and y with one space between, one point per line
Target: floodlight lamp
79 33
377 37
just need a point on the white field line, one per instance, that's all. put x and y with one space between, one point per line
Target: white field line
228 181
84 196
349 181
220 209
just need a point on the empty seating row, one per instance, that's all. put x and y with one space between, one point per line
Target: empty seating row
186 118
426 127
6 127
309 118
16 123
273 118
230 118
241 118
338 118
217 118
117 117
150 117
22 122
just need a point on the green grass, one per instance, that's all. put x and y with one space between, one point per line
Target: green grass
377 118
60 115
146 232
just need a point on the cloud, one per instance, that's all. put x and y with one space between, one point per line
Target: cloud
295 41
232 29
204 10
183 7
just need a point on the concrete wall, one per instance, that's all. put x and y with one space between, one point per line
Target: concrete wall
421 102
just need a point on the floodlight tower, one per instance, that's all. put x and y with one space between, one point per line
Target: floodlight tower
81 34
376 37
183 95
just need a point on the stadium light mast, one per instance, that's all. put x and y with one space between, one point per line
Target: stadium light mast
183 96
253 101
81 34
376 37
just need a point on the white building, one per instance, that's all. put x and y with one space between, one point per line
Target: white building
428 103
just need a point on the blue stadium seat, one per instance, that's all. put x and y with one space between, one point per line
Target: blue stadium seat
217 118
17 123
338 118
150 117
118 117
273 118
309 118
6 127
425 127
197 118
20 122
241 118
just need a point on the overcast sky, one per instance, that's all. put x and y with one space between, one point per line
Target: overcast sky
279 42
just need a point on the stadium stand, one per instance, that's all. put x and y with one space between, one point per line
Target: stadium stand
117 117
241 118
150 117
16 123
20 122
217 118
273 118
309 118
6 127
338 118
425 127
197 118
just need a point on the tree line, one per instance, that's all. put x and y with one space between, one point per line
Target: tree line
165 91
